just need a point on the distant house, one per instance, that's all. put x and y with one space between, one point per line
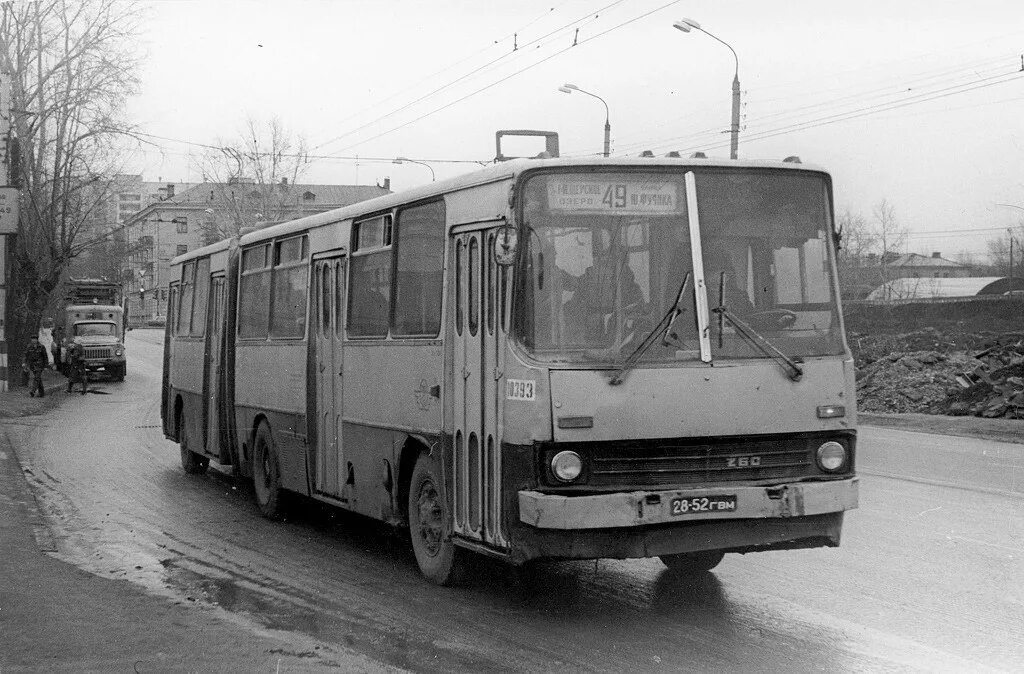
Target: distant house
932 288
191 218
874 271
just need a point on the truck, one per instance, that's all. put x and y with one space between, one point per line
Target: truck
93 316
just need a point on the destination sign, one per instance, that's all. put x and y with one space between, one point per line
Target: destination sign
620 197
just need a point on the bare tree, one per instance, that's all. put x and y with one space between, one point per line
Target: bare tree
999 253
889 237
252 177
72 66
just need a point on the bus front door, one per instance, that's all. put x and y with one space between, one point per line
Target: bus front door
325 337
478 345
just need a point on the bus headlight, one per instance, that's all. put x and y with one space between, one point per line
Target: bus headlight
831 457
118 352
567 466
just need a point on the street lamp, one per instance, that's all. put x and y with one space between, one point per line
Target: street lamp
686 25
401 160
569 88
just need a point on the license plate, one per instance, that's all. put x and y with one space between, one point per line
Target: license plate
695 505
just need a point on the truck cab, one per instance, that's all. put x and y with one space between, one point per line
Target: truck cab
98 329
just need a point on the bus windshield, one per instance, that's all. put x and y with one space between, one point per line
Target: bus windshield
607 255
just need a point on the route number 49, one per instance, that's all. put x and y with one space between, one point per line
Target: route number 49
615 196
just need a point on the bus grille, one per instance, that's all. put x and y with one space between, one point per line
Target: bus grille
689 461
98 352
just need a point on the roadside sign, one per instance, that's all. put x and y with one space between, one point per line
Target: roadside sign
8 210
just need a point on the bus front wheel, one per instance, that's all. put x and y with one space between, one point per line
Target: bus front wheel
430 525
266 474
693 562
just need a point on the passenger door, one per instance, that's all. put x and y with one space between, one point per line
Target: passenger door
478 363
211 385
325 337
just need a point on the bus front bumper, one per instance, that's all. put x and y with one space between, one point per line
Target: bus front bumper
642 508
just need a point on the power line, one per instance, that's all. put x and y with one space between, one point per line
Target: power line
465 76
869 110
806 109
507 77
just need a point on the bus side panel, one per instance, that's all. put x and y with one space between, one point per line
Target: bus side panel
270 383
188 356
396 385
390 391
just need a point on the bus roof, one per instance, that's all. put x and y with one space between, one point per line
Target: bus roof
501 171
202 252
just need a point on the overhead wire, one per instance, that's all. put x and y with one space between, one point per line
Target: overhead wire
791 114
485 66
510 76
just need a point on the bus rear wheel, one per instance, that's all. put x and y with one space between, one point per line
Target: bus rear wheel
430 525
266 474
192 463
693 562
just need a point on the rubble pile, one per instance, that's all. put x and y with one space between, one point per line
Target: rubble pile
994 387
909 381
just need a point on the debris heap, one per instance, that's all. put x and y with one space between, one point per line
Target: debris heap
994 387
908 381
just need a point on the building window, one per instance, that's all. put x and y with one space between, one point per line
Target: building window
182 249
308 196
182 225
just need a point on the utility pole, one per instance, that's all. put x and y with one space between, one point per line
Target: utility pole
1010 232
8 221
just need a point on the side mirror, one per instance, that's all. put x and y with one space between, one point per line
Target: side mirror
506 245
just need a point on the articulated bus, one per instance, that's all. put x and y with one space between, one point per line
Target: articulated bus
544 359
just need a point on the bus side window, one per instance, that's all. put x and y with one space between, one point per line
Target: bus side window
254 293
370 285
289 278
183 326
202 296
172 308
419 262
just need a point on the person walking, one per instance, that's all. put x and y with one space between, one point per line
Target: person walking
58 338
37 361
76 367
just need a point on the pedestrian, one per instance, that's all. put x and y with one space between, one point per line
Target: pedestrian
58 339
76 367
37 361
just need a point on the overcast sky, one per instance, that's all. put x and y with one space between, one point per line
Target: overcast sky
920 103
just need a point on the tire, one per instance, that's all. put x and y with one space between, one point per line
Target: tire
266 474
430 525
192 463
121 371
693 562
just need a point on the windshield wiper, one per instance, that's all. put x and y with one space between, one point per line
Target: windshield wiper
753 337
663 328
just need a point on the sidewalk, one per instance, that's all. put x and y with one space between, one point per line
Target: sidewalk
56 617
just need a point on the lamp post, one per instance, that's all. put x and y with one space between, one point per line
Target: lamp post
686 25
569 88
402 160
1009 230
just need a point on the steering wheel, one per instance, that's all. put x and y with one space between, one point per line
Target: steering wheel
773 319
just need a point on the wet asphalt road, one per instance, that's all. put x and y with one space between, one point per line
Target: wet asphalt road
928 577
